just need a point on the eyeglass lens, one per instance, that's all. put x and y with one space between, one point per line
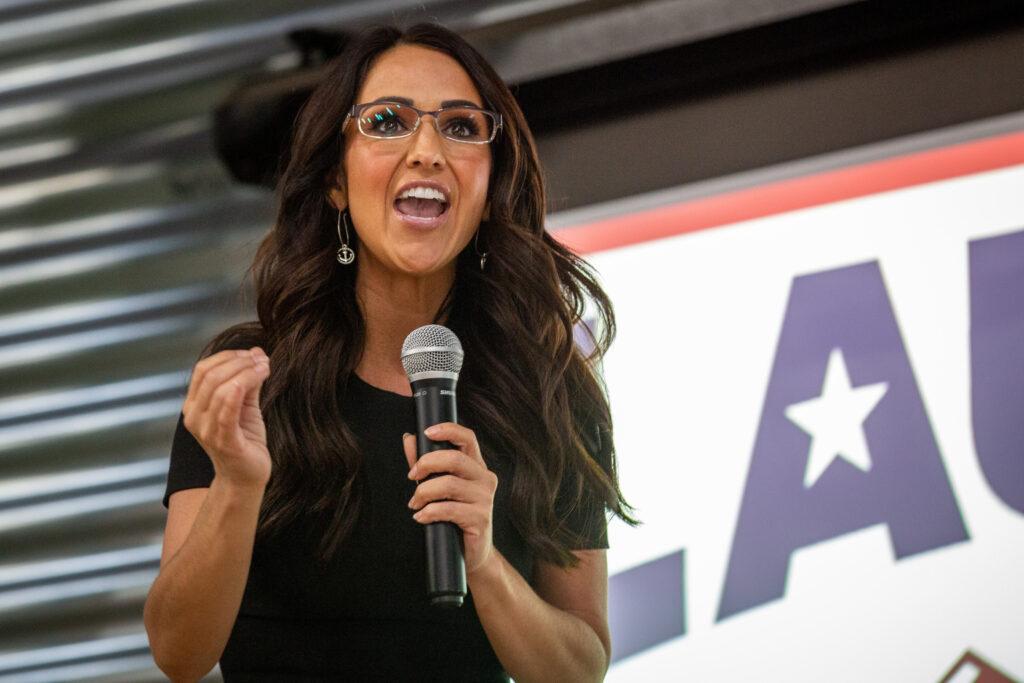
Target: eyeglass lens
392 120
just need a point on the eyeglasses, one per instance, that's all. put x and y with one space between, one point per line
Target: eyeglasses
391 120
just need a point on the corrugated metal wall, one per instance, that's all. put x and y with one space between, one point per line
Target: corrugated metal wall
122 246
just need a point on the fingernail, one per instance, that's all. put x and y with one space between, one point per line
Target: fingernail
405 435
410 503
412 472
430 431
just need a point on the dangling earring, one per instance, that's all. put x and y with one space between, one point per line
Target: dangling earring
476 246
345 253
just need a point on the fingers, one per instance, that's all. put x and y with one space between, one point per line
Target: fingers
206 365
469 518
214 377
226 428
222 413
461 437
457 475
455 462
446 488
219 388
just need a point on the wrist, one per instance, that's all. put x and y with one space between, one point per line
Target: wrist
489 572
235 491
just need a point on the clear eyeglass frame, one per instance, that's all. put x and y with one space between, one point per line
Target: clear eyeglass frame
355 113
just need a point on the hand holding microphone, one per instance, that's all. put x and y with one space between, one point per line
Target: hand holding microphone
455 496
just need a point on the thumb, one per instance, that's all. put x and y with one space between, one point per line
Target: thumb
252 396
409 446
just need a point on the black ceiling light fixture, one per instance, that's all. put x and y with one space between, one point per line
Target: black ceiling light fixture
252 127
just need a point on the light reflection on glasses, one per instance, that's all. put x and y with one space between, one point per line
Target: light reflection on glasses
392 120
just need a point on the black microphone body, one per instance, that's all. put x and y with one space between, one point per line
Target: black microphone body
446 566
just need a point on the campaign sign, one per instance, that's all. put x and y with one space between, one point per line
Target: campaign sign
817 390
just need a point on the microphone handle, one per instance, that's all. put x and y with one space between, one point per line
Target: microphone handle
446 567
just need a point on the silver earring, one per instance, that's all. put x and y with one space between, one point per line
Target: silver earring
345 253
476 246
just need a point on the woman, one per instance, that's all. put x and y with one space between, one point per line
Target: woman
290 548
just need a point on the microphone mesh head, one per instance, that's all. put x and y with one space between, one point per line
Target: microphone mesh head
431 348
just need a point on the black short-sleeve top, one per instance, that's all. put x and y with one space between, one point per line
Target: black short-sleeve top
367 615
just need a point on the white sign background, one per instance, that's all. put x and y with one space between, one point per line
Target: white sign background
699 316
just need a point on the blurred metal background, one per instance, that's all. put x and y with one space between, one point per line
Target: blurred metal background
124 241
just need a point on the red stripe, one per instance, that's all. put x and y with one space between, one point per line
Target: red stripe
796 193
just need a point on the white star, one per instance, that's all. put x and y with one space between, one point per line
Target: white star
834 419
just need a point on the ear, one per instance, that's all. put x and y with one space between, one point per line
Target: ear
336 193
336 197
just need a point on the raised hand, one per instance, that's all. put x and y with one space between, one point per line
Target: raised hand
222 411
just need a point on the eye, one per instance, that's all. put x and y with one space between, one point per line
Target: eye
463 127
389 125
386 120
464 124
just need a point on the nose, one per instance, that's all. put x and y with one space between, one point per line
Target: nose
426 147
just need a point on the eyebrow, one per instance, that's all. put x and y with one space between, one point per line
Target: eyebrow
406 100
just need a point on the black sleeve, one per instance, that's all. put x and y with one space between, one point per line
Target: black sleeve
190 466
588 518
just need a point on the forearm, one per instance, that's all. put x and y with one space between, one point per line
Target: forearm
193 603
533 640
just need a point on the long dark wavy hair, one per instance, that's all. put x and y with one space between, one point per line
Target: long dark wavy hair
525 378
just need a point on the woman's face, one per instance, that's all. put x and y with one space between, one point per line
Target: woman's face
375 170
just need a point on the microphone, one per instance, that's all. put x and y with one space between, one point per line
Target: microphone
432 358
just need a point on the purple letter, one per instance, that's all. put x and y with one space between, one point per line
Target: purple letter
646 605
997 363
863 454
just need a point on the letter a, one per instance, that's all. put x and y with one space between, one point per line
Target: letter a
843 442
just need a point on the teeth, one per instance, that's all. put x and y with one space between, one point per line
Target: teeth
422 192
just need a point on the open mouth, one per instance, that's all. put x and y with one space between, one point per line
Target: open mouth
415 207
